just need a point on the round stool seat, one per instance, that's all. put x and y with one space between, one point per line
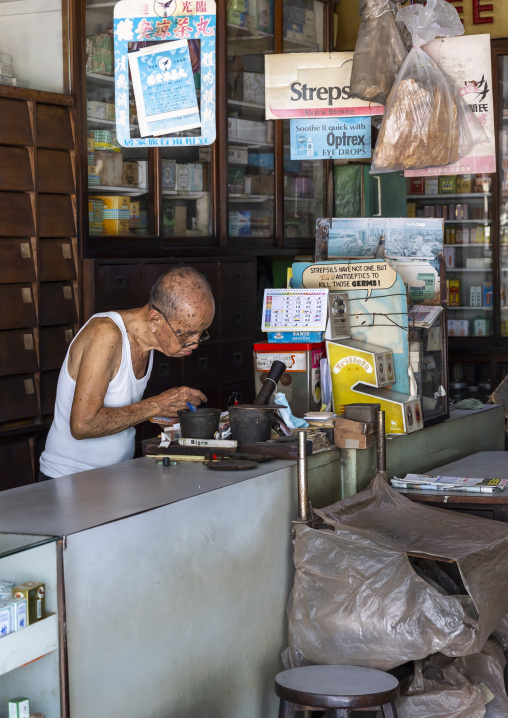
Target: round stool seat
336 686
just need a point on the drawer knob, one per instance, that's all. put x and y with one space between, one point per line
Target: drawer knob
121 282
203 364
164 369
238 276
238 358
237 318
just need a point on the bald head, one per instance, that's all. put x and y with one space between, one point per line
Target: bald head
181 291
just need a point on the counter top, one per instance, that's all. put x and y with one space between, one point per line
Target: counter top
70 504
81 501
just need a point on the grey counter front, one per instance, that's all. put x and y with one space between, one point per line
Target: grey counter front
175 581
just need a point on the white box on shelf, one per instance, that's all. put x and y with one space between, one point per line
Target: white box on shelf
142 174
169 174
182 177
246 129
254 88
238 155
195 177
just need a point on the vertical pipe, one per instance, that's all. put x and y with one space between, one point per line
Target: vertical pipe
381 442
303 484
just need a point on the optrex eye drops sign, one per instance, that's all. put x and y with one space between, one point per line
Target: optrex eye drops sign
343 138
312 84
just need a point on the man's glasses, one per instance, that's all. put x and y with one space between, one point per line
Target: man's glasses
184 344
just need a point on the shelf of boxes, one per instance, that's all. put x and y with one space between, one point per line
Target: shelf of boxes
29 644
184 194
131 191
110 123
441 197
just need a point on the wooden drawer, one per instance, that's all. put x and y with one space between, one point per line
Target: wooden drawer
56 260
237 280
54 172
212 394
151 272
166 374
20 301
49 382
118 286
210 270
16 261
17 352
18 397
202 367
16 214
236 361
54 344
237 320
245 389
16 171
57 304
54 130
56 216
15 128
16 456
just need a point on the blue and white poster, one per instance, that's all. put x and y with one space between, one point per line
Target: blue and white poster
164 89
172 44
338 139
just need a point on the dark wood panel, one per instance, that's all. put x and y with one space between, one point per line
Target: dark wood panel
54 128
202 367
244 389
16 458
49 382
119 286
237 280
57 303
54 171
20 300
18 353
151 272
237 319
54 344
18 397
166 374
16 171
236 361
15 127
212 394
56 217
56 260
16 218
16 261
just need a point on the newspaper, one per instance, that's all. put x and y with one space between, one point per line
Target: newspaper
449 483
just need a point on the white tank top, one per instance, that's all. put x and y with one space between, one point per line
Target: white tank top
66 455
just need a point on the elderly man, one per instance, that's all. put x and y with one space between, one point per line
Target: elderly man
107 367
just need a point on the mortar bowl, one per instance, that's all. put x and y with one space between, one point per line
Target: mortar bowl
251 423
199 424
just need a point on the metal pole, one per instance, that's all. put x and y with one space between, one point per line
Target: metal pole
303 481
381 442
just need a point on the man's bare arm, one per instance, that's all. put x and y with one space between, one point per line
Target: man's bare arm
97 367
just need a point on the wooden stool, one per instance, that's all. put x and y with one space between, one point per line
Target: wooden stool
340 688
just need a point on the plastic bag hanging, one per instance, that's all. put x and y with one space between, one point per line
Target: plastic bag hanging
426 122
379 52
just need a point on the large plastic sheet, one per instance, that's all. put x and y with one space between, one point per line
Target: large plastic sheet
426 122
357 600
379 52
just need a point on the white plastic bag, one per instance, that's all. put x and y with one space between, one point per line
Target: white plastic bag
426 122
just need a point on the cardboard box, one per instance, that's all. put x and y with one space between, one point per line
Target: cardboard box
195 177
453 286
462 327
111 111
253 84
259 184
352 440
130 174
169 174
466 184
97 110
19 611
448 184
355 427
237 155
452 327
182 177
205 154
180 221
142 173
246 129
432 185
239 224
116 227
134 214
19 708
34 592
109 166
100 54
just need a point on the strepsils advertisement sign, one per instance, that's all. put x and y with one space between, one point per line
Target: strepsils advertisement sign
312 84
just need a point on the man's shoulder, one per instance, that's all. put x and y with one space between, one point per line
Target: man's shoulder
100 329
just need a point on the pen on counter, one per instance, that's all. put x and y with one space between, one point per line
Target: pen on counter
191 406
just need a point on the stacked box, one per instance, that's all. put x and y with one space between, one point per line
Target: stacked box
447 184
98 110
238 156
116 214
182 177
130 175
169 174
5 69
134 208
195 177
95 215
109 166
106 140
142 173
35 594
100 54
239 224
94 179
168 218
90 148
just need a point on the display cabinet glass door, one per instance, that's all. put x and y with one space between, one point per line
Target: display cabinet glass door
250 36
304 25
503 187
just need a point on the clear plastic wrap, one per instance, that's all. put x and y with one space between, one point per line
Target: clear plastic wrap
426 122
379 52
357 599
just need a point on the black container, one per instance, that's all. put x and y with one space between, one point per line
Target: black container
250 424
199 424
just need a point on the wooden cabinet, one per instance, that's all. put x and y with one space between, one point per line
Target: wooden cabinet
244 192
38 267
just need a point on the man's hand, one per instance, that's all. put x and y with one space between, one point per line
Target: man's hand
172 400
